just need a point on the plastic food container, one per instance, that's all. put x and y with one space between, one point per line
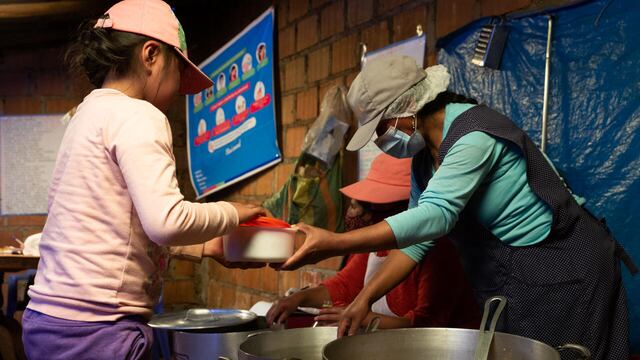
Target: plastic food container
261 240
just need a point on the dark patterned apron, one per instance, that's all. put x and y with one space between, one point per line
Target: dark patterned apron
565 289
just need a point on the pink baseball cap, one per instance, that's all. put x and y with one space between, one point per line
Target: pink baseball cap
155 19
388 180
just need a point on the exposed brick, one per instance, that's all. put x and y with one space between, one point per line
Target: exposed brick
243 300
318 3
19 60
318 61
386 5
22 106
288 280
247 188
325 86
286 41
294 74
182 268
307 32
14 83
405 23
294 137
311 277
376 36
500 7
349 78
269 280
332 19
298 8
1 106
307 103
50 83
251 278
61 106
35 220
80 86
180 291
359 11
281 13
343 56
264 183
227 297
287 109
283 171
330 263
451 15
220 273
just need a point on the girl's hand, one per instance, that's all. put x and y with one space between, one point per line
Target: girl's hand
318 245
282 308
214 249
248 212
352 317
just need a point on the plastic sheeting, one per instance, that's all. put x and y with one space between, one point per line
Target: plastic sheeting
594 105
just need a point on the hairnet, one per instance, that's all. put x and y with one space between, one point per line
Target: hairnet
412 100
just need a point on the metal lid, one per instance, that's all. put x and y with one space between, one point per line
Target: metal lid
201 319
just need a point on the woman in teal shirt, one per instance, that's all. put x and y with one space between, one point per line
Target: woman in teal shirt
480 180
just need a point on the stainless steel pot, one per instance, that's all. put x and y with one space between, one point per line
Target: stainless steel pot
438 343
303 343
209 346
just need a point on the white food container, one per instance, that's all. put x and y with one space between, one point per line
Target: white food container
259 244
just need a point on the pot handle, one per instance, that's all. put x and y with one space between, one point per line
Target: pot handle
586 354
486 336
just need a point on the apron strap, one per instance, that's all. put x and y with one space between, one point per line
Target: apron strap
620 252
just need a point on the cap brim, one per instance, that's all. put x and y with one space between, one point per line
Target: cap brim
364 134
375 192
192 80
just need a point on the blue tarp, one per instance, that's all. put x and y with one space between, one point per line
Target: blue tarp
594 105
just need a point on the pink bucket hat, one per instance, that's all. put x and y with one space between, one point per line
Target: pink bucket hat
155 19
388 180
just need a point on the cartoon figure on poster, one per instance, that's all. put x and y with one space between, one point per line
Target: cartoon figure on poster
260 96
261 55
202 127
234 79
247 66
208 96
221 85
241 138
197 102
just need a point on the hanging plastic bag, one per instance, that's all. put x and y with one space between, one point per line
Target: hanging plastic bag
325 137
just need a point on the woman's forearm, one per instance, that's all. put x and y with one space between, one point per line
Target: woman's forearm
370 238
396 267
313 297
388 322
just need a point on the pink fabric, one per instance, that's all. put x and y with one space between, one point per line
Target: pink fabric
114 203
155 19
388 180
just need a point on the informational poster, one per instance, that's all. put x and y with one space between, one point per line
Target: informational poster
231 127
413 47
28 150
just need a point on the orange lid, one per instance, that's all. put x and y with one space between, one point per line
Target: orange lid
263 221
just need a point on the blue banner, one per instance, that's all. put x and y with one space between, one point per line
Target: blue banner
231 126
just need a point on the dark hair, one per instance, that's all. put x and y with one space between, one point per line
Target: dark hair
441 101
98 51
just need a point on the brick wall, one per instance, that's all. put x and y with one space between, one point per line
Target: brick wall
317 48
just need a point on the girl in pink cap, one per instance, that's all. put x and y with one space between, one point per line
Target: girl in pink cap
435 293
114 202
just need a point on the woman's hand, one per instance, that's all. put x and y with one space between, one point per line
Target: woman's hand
214 249
282 308
353 317
318 245
248 212
330 316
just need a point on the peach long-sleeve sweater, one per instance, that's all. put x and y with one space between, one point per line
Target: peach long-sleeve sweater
114 208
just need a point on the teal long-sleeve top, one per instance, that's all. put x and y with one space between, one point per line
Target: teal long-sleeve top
477 164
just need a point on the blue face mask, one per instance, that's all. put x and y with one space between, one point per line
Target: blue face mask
400 145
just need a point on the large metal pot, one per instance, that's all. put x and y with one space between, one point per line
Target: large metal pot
445 343
436 343
200 334
303 343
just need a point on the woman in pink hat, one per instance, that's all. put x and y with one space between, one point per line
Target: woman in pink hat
435 293
114 201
